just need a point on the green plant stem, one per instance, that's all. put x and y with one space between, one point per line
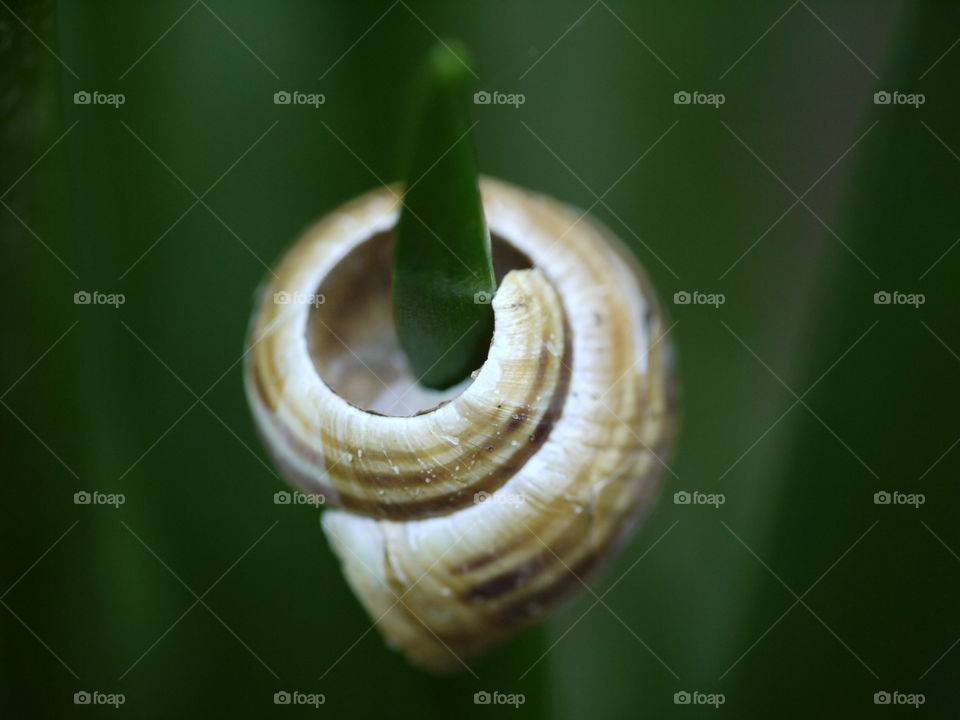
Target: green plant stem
443 276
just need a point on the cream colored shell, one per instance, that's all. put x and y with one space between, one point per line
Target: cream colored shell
463 523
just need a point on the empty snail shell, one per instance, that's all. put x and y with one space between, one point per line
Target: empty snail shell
466 515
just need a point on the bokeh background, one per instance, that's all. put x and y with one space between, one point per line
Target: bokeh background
797 199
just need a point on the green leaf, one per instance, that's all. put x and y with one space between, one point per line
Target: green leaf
442 274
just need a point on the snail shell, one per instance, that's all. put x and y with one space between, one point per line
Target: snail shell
466 515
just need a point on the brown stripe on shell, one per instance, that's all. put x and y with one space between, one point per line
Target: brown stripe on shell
530 608
517 612
499 475
550 554
436 505
398 456
337 482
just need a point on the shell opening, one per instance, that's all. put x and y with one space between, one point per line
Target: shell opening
351 336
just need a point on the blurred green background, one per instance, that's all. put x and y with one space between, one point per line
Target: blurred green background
798 199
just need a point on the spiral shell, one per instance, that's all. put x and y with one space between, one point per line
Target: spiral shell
466 515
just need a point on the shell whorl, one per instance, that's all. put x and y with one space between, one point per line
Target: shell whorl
464 522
